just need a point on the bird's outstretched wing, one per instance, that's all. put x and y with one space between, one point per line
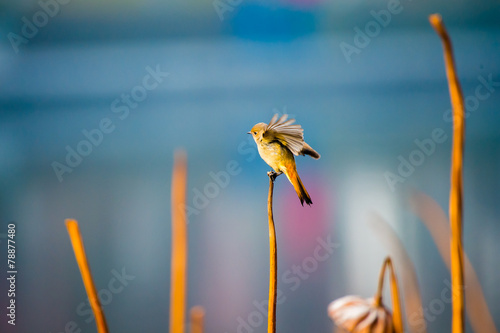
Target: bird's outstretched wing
291 136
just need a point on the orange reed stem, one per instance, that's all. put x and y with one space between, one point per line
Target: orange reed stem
197 315
88 282
273 263
456 191
179 245
396 306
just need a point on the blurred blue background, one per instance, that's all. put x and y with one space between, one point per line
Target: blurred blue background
364 87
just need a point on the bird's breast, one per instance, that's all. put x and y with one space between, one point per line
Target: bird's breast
275 155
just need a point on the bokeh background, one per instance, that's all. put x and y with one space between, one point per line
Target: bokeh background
232 64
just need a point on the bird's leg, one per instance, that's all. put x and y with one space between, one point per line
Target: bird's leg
273 175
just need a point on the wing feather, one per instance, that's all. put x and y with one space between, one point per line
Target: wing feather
273 120
291 136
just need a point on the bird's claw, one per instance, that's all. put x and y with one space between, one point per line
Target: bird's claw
272 175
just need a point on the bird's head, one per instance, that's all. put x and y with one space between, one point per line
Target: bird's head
257 131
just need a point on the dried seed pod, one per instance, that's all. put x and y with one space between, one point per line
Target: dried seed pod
358 315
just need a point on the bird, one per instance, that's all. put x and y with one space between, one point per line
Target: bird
277 143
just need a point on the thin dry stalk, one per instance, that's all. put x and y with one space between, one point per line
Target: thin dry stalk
396 306
197 315
411 290
88 282
456 191
273 263
179 245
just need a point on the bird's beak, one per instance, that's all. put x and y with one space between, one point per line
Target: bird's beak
249 133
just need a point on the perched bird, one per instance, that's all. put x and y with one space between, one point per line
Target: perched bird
277 142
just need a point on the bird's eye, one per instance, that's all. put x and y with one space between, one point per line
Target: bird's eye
255 133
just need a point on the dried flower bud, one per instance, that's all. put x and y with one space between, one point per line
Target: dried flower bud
358 315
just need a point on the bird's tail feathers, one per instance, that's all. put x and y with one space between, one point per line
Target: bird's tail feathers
307 150
294 178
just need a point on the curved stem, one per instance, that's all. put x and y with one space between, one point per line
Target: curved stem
380 287
396 306
456 191
396 311
410 289
273 265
